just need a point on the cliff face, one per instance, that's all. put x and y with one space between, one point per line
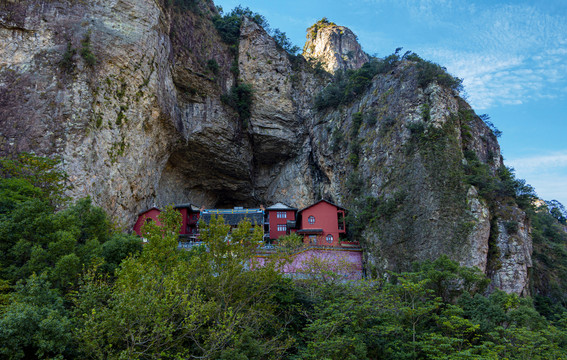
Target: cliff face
144 124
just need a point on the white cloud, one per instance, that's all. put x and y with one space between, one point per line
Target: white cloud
506 54
546 173
532 164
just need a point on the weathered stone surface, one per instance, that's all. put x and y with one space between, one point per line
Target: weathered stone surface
145 125
336 47
480 233
514 246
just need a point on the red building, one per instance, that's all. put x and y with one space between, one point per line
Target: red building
322 223
190 215
280 220
145 216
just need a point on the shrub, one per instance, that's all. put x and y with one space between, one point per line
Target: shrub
356 123
67 62
429 72
228 26
347 85
491 126
240 99
416 128
213 66
284 42
370 118
182 4
336 139
355 183
86 52
511 227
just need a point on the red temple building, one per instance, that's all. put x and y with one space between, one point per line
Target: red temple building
145 216
190 215
322 223
280 220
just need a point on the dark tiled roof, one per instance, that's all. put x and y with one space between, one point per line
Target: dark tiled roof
145 211
233 217
280 206
187 205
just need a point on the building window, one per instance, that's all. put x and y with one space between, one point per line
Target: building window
311 219
281 228
329 238
282 214
313 239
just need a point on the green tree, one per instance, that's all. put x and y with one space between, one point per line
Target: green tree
41 172
35 324
167 302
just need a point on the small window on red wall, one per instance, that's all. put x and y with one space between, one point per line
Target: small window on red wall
329 238
282 228
311 219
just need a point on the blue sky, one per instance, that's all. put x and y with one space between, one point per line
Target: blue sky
512 56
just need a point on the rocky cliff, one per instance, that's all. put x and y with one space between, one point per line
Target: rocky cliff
130 94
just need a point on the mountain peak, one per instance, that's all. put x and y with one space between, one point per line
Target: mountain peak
336 47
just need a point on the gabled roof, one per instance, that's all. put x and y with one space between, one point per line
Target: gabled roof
233 218
323 200
280 206
145 211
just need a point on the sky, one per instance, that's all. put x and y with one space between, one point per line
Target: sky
511 55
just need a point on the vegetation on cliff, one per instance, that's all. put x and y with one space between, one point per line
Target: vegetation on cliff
350 84
73 287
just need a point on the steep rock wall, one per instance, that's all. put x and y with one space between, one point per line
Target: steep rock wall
145 125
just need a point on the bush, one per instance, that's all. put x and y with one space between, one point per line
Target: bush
347 85
86 52
67 62
213 66
284 42
356 123
491 126
337 138
240 99
429 72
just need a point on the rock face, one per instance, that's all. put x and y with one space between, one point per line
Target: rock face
141 121
514 252
336 47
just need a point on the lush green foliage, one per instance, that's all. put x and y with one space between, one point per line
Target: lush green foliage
348 85
228 26
33 176
503 184
240 99
42 255
77 289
